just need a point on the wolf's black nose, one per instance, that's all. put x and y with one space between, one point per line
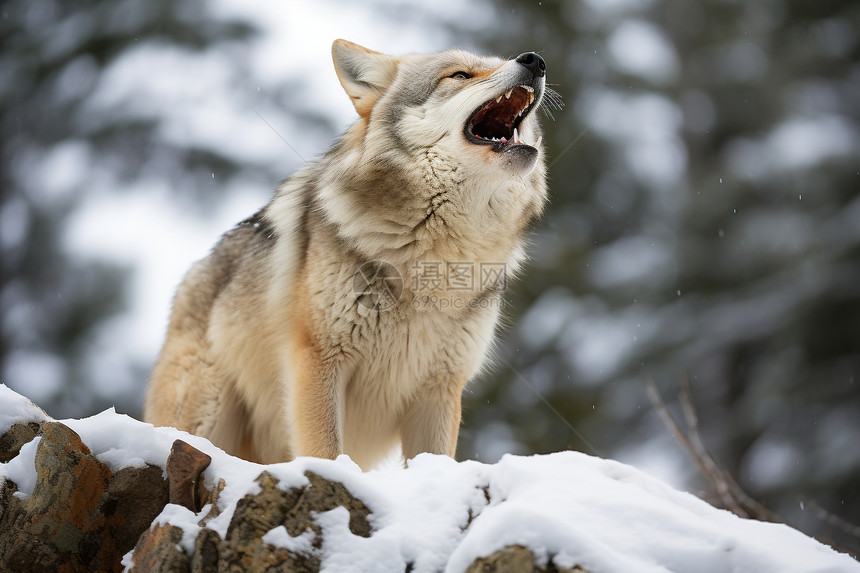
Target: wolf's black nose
533 63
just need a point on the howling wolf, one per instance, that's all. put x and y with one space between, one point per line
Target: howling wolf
347 315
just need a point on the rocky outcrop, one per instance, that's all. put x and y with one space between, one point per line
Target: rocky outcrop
516 559
80 516
110 493
254 517
12 441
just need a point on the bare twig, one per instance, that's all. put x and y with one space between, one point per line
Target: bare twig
831 519
692 443
750 505
731 495
670 423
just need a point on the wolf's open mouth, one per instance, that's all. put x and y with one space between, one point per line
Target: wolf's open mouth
495 122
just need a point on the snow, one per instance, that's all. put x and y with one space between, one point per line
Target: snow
20 469
279 537
569 507
173 513
15 409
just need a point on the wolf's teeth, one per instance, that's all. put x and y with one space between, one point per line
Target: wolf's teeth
508 94
498 99
529 89
531 98
516 136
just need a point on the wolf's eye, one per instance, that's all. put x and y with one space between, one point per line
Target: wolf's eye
460 76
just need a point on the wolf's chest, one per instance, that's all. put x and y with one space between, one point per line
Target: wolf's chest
396 329
405 350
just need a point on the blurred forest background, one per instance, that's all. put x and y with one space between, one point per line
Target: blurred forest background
704 221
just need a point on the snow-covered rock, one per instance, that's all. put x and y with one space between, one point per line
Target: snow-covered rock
562 512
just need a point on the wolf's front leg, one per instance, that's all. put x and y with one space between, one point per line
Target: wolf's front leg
317 406
432 421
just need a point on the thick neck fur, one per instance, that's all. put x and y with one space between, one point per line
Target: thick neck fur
423 203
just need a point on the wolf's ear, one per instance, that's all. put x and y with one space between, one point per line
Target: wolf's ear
364 74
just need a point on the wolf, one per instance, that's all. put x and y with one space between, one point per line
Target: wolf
331 321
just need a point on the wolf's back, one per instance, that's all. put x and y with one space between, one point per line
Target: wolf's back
186 347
